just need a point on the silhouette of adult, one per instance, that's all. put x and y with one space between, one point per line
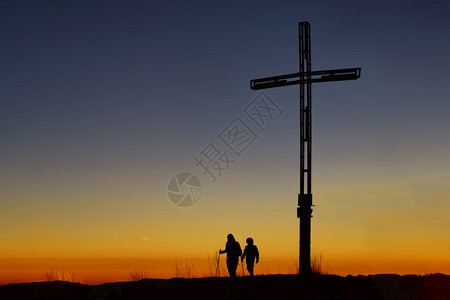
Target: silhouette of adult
233 251
250 253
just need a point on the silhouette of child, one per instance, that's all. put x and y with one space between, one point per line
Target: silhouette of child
250 253
233 251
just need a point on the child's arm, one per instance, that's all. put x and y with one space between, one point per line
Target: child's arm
243 254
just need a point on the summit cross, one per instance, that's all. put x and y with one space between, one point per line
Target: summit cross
305 77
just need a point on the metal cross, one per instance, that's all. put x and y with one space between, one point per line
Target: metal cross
305 77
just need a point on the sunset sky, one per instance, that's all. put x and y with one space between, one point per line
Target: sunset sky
103 102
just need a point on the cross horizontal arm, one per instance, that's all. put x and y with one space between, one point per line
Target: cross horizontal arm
297 78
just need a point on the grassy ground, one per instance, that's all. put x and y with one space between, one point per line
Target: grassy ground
436 286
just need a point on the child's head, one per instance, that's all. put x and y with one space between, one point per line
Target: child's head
249 241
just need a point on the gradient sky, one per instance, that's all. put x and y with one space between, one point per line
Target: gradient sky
102 102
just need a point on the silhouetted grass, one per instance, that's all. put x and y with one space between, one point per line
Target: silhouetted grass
183 269
138 274
62 275
216 268
316 263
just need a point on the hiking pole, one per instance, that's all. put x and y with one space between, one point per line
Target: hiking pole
242 265
217 265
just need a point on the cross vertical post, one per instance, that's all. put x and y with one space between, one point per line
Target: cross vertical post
305 77
305 196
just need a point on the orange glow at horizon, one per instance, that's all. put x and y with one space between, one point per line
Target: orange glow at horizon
103 241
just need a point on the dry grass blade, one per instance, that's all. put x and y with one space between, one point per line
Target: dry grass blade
138 274
61 275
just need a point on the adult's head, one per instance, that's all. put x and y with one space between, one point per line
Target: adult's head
230 237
